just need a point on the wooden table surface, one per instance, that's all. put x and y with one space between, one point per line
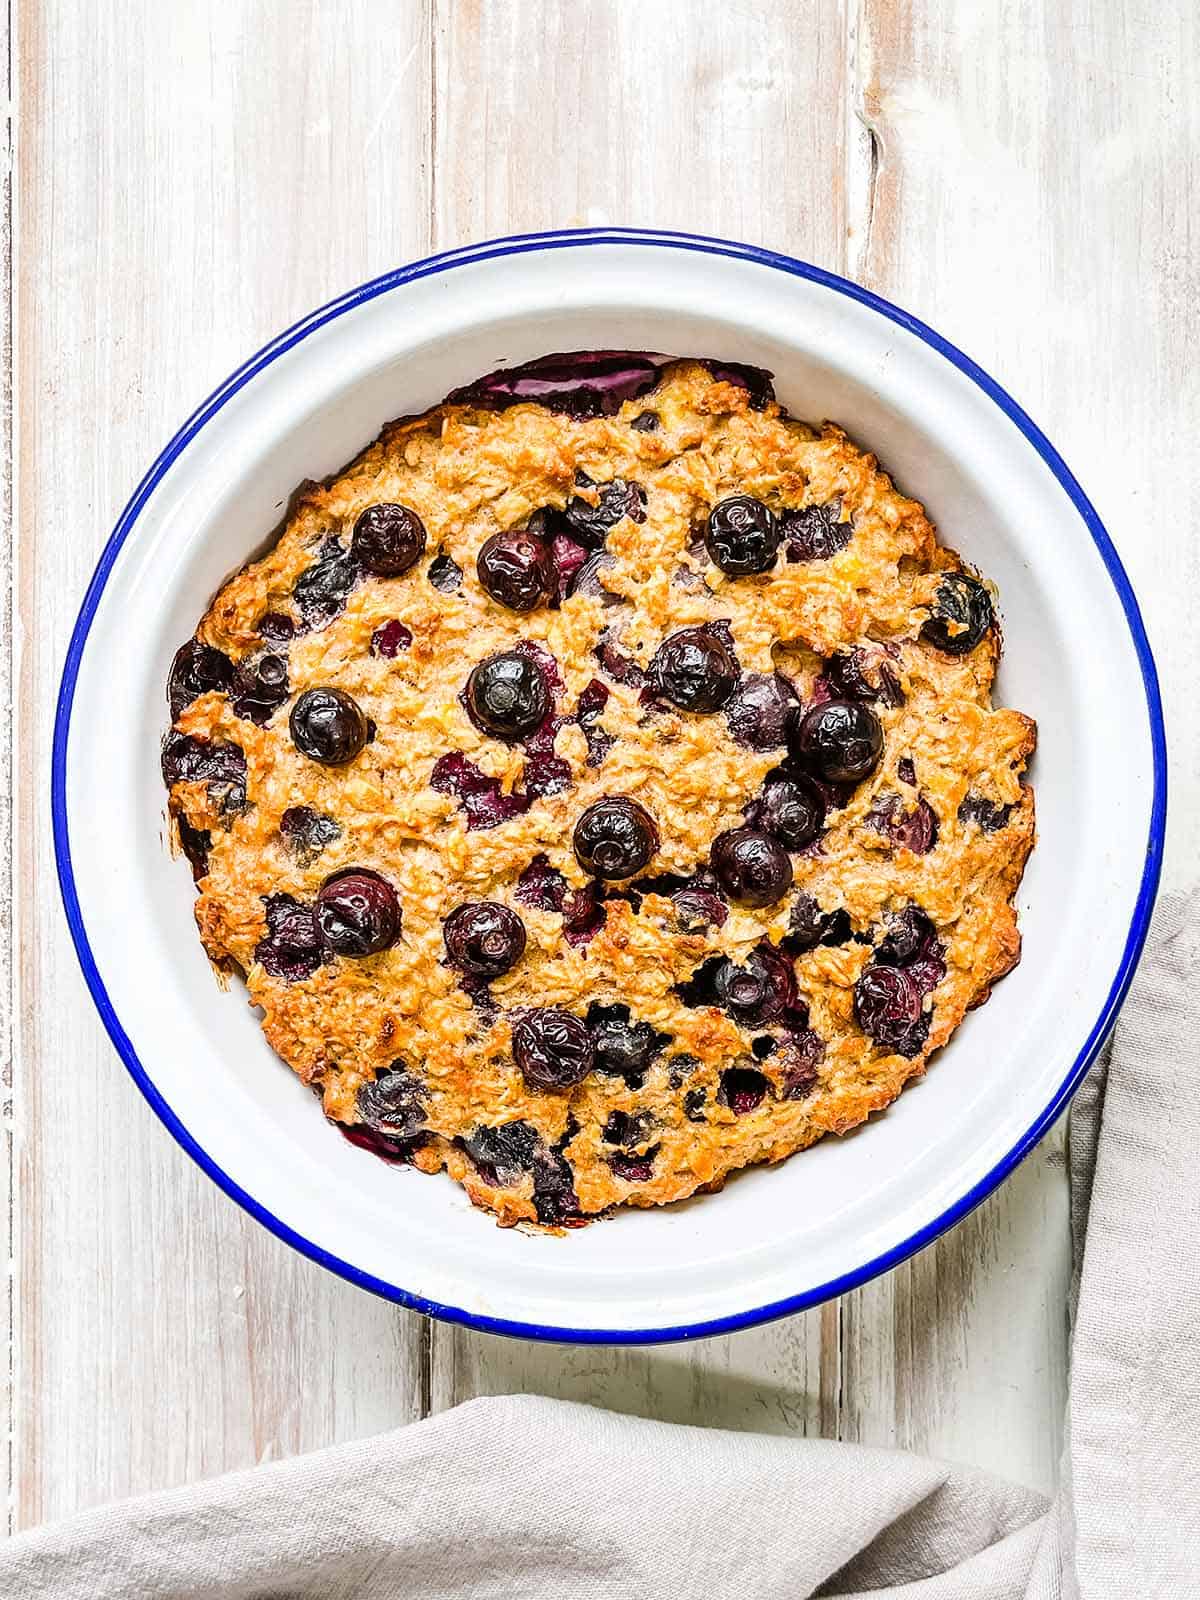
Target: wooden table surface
188 176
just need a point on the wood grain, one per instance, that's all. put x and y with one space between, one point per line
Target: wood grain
192 178
189 179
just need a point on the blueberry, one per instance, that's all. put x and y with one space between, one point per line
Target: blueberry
392 1102
567 560
762 990
444 573
912 942
292 949
800 1056
589 383
592 523
554 1197
388 540
887 1007
760 710
218 764
195 844
634 1168
962 613
503 1153
399 1152
507 695
742 1089
645 422
589 708
358 913
197 669
276 627
260 687
809 926
329 726
545 774
615 837
623 1048
516 570
814 533
839 742
846 673
696 910
693 1105
742 536
583 915
907 773
553 1049
321 589
756 381
792 808
390 638
694 669
984 814
621 668
753 867
479 795
628 1130
307 832
541 885
484 939
586 579
915 830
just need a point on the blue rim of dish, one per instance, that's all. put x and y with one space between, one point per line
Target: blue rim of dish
570 239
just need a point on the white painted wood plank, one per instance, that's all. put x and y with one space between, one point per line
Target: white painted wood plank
7 1169
192 178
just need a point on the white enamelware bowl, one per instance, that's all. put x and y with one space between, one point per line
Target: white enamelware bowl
1076 658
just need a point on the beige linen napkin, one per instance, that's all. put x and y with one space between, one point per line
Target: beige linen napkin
532 1499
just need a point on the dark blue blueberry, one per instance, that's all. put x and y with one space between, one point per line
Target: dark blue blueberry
694 669
814 533
984 814
260 687
742 1089
388 540
624 1048
507 695
840 741
358 913
961 614
307 832
553 1049
742 536
393 1103
752 866
328 726
292 949
197 669
321 589
615 837
515 569
484 939
445 574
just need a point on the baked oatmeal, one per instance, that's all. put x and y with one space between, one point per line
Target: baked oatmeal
598 789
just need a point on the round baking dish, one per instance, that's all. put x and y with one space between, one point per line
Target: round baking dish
775 1240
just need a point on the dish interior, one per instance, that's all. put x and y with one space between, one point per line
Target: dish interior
1069 662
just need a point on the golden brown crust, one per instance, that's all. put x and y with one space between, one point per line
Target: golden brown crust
468 473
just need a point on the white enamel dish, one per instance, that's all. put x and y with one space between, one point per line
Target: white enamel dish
1076 658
